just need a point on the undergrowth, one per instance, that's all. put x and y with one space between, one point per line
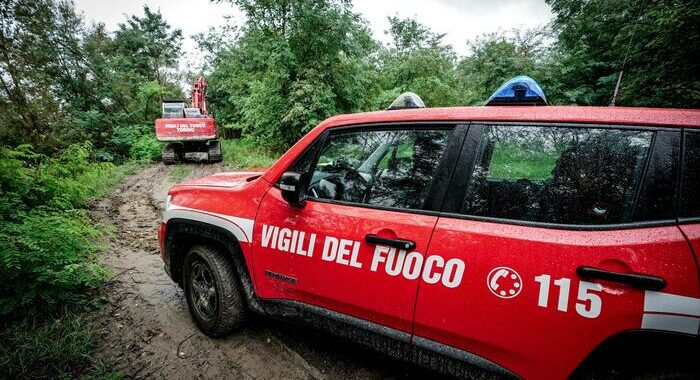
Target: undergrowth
48 258
247 154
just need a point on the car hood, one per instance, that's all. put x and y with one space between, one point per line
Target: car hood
228 179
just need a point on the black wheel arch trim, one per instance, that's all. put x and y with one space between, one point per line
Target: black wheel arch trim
207 232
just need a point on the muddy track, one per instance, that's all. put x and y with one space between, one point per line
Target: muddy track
147 328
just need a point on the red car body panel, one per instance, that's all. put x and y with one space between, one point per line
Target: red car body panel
518 333
343 282
692 233
202 200
186 129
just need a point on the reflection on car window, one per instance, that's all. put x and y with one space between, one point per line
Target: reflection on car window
381 168
690 201
557 174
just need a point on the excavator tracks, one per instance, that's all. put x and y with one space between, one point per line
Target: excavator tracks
215 151
169 155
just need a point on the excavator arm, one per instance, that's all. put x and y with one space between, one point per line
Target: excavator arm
199 95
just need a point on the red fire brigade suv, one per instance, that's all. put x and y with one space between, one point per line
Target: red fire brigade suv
505 240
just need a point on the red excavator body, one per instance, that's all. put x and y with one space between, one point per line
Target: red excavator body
190 132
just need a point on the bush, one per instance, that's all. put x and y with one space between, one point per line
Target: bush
47 242
30 181
147 148
247 154
47 261
138 139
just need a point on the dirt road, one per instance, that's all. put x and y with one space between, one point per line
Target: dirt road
148 330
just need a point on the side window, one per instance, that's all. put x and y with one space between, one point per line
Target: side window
557 174
393 168
690 201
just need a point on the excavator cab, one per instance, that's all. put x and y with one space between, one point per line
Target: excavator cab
173 109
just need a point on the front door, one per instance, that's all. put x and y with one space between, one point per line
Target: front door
554 261
357 246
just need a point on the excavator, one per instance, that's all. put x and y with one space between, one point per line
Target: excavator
190 133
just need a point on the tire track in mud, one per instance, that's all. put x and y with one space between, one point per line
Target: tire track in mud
147 330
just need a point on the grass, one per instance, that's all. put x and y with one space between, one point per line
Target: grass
47 348
179 173
247 154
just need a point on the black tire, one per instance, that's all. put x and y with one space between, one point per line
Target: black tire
218 314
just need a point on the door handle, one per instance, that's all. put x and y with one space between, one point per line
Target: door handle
639 281
396 243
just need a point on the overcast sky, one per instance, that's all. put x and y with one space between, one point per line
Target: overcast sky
460 20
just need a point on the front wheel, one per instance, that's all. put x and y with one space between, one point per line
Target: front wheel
213 291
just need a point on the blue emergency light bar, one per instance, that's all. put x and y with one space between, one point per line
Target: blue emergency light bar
521 90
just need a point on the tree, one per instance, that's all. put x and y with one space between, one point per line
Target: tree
497 57
654 44
30 60
62 83
417 60
293 64
148 45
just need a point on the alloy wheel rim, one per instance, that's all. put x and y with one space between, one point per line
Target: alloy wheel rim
204 296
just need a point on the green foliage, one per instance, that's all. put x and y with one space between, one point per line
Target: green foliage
497 57
62 82
48 259
247 154
656 41
47 242
31 181
136 141
146 148
294 64
417 61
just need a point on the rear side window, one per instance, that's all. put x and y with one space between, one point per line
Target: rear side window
690 199
563 175
381 168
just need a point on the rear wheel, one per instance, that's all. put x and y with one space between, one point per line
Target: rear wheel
213 291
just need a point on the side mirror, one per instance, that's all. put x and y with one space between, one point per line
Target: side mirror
293 186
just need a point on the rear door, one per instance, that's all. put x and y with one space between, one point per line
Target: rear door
689 211
372 191
540 214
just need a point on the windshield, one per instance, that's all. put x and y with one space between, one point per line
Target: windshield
193 113
173 110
